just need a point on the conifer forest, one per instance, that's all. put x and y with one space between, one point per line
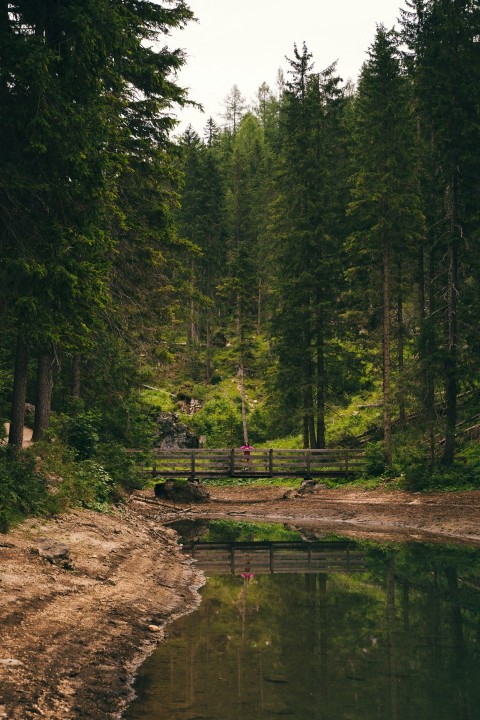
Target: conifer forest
303 271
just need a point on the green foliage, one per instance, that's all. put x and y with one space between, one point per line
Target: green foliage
74 483
90 486
80 432
23 487
160 400
423 476
374 460
220 422
127 469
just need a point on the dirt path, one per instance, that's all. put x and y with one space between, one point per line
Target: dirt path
72 638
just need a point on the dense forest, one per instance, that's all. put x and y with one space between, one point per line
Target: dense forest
303 271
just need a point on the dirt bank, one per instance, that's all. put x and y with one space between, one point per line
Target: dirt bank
72 636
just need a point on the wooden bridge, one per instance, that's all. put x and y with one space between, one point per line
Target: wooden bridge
235 463
264 558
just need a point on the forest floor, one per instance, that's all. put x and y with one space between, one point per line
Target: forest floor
74 631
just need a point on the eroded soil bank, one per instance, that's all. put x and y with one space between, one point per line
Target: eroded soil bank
73 636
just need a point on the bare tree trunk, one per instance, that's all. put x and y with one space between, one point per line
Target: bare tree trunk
401 346
17 418
44 395
208 363
306 436
387 418
76 375
426 313
259 307
320 384
244 404
451 389
193 328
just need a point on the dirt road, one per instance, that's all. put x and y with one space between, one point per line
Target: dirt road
74 632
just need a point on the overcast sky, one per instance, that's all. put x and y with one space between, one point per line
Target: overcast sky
244 42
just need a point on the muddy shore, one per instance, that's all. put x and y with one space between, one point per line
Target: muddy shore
74 631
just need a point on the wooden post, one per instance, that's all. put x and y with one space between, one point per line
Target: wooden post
346 463
232 462
309 464
192 464
270 462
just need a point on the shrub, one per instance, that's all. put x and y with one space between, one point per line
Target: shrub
220 422
127 469
374 460
90 486
81 433
418 476
23 487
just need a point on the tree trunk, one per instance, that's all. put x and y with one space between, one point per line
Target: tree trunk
451 389
208 362
44 395
401 346
242 393
259 307
76 375
451 365
17 417
306 436
387 419
427 345
320 384
192 326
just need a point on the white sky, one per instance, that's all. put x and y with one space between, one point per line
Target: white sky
245 42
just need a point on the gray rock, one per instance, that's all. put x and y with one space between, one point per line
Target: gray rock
55 552
181 491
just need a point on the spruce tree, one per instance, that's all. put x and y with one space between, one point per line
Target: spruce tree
82 95
386 198
442 36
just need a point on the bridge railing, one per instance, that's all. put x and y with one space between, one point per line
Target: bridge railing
234 462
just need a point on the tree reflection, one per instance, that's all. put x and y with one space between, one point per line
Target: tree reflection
395 640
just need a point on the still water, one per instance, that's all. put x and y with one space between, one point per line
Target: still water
324 631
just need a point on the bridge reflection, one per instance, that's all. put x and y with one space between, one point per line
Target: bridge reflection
266 558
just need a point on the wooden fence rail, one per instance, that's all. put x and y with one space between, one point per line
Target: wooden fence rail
235 463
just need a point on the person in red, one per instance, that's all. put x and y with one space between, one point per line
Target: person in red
247 449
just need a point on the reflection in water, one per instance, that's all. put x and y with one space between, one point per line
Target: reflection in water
393 637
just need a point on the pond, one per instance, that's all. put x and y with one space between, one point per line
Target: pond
329 630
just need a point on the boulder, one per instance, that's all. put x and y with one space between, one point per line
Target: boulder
182 491
173 434
55 552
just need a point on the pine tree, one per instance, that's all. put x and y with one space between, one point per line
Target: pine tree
386 197
82 95
442 36
306 216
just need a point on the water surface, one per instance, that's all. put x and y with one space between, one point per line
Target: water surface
358 632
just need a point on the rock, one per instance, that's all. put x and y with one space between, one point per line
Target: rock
307 487
55 552
173 434
181 491
11 662
154 628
